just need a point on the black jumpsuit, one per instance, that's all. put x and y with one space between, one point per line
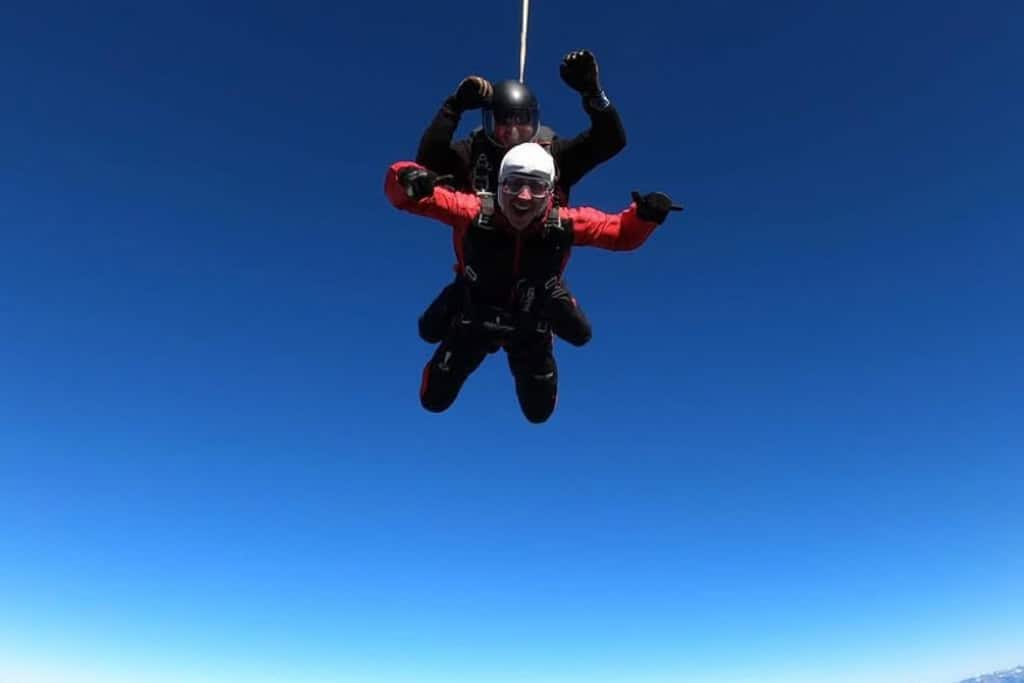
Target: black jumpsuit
474 162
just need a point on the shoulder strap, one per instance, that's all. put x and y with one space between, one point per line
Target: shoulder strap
554 220
483 219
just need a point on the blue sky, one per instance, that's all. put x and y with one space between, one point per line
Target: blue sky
792 451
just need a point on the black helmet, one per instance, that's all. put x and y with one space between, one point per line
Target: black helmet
512 116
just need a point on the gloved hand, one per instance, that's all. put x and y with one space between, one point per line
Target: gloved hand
472 93
654 206
579 71
568 321
420 182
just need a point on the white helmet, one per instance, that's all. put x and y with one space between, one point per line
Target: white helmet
529 159
525 166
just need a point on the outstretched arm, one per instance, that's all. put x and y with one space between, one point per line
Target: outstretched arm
412 188
623 231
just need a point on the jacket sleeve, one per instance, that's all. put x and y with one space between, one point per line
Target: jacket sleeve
622 231
437 151
577 156
454 208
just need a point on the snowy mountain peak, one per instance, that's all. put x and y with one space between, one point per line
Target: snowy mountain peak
1011 676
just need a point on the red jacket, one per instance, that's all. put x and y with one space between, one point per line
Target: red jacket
622 231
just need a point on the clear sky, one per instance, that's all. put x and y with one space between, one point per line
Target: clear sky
791 453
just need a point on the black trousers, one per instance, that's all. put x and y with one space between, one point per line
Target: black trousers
530 359
558 307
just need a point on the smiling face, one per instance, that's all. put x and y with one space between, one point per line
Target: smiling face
523 199
525 180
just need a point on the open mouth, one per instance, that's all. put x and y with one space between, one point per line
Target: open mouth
522 206
520 209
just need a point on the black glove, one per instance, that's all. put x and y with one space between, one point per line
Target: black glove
654 206
568 321
579 71
420 182
473 92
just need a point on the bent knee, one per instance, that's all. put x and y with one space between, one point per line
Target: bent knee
580 338
430 331
437 390
437 395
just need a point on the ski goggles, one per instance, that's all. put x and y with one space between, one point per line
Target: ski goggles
514 185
